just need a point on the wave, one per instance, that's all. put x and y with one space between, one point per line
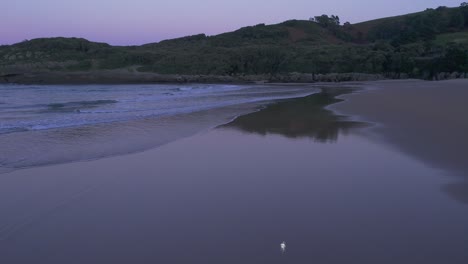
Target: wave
58 106
135 114
74 109
209 88
183 89
13 129
79 104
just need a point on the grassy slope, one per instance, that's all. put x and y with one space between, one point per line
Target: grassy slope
457 37
394 44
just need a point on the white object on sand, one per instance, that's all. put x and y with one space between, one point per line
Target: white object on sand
283 246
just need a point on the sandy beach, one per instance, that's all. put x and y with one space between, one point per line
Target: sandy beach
335 189
234 132
423 119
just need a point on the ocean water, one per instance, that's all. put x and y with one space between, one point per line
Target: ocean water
47 124
32 107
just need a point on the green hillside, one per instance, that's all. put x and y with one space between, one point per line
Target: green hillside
420 45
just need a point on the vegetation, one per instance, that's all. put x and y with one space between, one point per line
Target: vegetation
420 45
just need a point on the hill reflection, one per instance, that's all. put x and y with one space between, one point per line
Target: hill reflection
298 118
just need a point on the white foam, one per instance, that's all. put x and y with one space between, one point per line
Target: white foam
132 102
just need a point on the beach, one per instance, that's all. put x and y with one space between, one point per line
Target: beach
375 175
423 119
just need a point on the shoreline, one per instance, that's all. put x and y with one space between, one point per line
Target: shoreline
352 108
247 108
410 106
286 178
306 116
158 131
131 76
424 120
124 76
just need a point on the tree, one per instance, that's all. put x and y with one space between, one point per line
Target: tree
455 59
347 25
457 20
326 21
335 20
464 11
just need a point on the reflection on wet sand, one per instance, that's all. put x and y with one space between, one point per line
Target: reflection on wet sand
426 120
297 118
57 146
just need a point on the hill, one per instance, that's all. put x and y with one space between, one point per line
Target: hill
431 44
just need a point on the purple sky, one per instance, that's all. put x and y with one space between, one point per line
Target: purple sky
125 22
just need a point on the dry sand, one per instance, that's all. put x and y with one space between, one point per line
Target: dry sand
427 120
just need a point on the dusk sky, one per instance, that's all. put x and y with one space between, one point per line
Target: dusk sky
124 22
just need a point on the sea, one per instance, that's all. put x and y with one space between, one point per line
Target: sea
50 124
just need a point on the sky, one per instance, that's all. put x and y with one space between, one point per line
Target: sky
135 22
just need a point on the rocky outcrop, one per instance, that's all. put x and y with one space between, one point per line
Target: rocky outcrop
449 76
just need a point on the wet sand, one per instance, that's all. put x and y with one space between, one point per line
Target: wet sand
424 119
302 117
292 172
